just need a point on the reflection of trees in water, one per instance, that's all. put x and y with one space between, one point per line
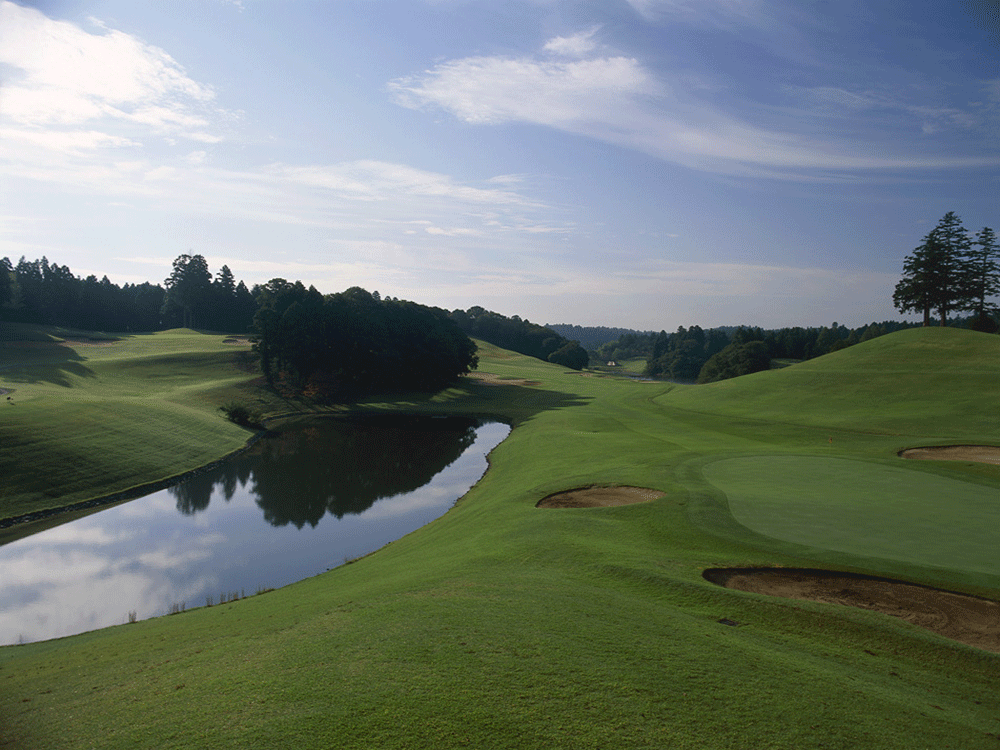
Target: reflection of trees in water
194 493
339 467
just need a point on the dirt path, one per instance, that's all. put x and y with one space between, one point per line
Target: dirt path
598 497
962 618
983 454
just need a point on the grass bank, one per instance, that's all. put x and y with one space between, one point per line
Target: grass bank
504 625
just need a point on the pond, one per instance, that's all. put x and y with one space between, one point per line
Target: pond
307 498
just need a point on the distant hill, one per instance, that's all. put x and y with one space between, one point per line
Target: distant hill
591 337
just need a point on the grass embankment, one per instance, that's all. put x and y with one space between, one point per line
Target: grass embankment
94 414
504 625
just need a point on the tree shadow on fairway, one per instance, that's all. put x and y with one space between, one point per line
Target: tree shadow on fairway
35 362
512 403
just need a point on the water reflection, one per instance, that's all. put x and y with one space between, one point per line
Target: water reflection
378 482
371 460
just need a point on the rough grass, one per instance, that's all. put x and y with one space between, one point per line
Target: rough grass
507 626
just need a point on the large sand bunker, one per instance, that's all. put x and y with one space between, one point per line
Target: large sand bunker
963 618
984 454
598 497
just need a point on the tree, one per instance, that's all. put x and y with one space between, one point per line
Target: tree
6 282
189 289
570 355
984 272
937 274
736 360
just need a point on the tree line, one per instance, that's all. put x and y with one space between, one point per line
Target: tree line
952 271
42 292
342 345
684 354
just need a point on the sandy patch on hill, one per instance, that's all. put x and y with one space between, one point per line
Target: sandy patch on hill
984 454
85 342
962 618
598 497
489 378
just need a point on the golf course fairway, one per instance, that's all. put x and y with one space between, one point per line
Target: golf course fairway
506 625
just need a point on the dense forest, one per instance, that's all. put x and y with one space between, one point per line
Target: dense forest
355 342
42 292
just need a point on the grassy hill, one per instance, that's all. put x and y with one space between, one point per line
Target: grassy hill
903 384
503 625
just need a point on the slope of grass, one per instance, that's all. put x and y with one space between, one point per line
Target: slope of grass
914 382
502 625
110 415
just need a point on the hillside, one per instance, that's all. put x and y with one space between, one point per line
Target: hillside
507 625
920 381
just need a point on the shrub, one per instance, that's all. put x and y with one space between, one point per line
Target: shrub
245 416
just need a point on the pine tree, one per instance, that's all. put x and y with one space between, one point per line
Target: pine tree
937 275
984 267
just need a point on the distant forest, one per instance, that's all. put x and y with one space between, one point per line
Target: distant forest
356 339
685 354
42 292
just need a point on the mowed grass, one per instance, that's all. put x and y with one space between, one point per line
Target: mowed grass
98 415
501 625
864 509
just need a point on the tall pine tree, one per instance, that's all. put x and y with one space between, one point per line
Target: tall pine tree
984 272
937 274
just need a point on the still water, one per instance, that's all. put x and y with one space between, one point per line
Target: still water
299 502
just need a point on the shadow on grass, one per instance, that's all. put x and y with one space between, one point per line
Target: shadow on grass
34 362
512 404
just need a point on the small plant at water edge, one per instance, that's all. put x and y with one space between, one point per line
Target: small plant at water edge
240 413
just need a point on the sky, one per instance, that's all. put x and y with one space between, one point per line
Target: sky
636 163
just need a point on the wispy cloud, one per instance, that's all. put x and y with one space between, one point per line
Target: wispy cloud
671 116
576 45
715 13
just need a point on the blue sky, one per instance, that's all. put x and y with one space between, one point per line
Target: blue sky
636 163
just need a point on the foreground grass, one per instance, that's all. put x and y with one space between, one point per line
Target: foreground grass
502 625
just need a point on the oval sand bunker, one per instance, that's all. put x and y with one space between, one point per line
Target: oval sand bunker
984 454
963 618
599 497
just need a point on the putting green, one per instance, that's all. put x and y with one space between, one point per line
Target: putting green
866 509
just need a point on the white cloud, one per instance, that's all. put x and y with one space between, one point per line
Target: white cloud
497 89
671 117
65 76
717 13
576 45
69 141
379 181
453 231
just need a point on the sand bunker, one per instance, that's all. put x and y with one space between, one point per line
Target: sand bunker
489 378
962 618
984 454
598 497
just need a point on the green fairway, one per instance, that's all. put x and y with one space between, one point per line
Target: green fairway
864 509
503 625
